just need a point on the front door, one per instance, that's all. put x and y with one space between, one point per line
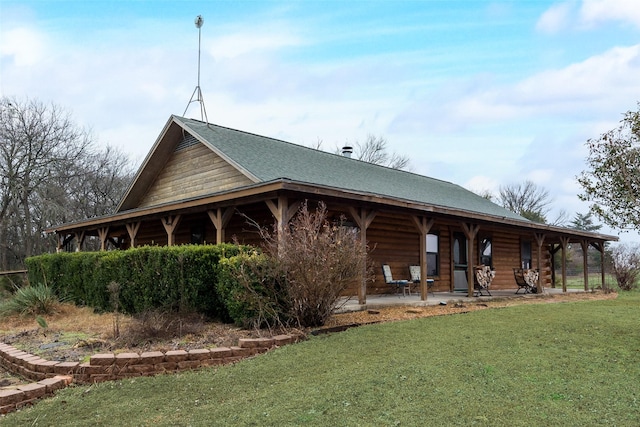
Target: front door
460 265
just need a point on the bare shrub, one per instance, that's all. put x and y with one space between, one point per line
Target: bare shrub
625 265
320 260
157 324
310 264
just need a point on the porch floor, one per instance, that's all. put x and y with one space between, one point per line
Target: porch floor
437 298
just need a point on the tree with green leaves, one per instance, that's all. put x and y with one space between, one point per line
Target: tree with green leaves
611 181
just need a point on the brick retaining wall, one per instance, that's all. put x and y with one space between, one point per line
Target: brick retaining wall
52 375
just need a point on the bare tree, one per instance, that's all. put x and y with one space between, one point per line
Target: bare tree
373 150
45 159
526 199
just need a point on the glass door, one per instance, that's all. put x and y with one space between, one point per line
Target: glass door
460 264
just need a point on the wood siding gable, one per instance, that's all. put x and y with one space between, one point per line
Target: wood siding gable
192 172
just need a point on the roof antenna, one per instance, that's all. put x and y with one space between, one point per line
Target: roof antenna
197 93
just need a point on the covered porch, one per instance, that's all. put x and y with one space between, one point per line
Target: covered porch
349 304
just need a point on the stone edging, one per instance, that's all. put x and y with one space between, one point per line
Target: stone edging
52 375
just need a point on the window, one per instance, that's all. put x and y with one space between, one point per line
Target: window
433 262
486 257
197 234
525 253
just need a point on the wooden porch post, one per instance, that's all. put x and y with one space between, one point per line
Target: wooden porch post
80 240
554 249
600 248
103 233
132 229
585 263
170 224
423 225
540 241
282 211
564 241
220 219
470 231
363 218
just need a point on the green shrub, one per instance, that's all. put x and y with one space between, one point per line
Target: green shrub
178 278
253 291
31 300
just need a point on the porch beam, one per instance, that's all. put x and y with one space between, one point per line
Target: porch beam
363 218
220 219
470 232
132 230
170 223
424 226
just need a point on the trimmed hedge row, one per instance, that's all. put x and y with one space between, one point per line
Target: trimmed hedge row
177 278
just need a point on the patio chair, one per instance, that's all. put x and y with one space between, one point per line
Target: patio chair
414 272
518 273
398 284
483 278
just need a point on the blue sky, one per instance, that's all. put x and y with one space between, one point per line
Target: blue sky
479 93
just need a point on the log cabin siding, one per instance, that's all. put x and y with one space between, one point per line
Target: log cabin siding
191 172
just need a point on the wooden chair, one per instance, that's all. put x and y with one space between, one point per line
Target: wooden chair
482 280
414 272
518 273
398 284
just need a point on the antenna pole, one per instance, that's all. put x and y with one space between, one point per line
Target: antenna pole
197 92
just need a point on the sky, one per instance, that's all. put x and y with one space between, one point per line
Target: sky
479 93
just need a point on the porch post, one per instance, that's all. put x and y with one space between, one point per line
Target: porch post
554 249
132 230
540 241
564 241
585 263
220 218
600 248
363 218
282 211
170 224
423 225
470 231
80 239
103 233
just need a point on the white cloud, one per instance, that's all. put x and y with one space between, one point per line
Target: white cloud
594 12
556 18
24 46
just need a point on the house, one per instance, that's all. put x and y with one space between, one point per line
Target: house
200 182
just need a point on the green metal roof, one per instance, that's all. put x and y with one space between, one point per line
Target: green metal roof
268 159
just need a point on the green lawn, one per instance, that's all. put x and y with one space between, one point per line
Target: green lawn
556 364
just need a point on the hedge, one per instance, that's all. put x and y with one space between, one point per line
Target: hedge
178 278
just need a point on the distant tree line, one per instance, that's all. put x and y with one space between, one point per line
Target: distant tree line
51 172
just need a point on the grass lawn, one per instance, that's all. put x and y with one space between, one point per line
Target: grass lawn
557 364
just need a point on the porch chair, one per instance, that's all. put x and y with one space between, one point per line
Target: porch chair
398 284
518 274
414 272
483 278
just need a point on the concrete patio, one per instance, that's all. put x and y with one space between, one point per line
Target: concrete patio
436 298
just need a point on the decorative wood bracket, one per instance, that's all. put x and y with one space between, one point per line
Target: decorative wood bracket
220 219
170 224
